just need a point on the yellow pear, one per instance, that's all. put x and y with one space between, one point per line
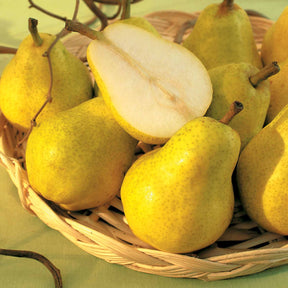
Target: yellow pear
223 34
179 198
262 176
141 22
275 42
25 81
78 157
245 83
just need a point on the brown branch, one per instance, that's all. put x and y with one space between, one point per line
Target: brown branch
38 257
76 10
117 13
114 2
33 5
7 50
97 11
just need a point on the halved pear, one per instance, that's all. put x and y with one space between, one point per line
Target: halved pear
152 85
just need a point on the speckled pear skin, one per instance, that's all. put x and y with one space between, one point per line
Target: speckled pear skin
275 44
222 35
25 82
231 83
262 176
179 198
78 157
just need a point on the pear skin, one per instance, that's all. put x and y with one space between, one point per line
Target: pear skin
78 157
179 198
223 34
262 176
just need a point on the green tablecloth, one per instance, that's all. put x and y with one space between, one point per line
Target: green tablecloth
21 230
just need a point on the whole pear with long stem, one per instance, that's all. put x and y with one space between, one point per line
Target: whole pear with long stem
26 80
179 198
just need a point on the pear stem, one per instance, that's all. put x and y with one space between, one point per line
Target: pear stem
126 12
234 109
228 4
83 29
7 50
32 25
36 256
266 72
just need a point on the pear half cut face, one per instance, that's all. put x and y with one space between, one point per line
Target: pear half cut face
153 86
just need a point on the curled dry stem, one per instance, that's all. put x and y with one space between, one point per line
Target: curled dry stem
40 258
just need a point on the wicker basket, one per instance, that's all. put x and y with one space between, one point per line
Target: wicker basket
244 248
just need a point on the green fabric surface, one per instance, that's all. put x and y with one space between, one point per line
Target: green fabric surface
21 230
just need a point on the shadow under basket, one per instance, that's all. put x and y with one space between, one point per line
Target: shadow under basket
243 249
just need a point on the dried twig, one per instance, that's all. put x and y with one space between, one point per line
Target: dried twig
36 256
97 11
33 5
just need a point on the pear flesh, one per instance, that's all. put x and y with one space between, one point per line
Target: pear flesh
78 157
262 176
153 86
25 82
179 198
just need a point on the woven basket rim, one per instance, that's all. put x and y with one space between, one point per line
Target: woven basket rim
111 242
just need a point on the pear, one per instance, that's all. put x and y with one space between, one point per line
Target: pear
179 198
78 157
262 176
25 81
275 43
249 85
278 91
141 22
153 86
223 34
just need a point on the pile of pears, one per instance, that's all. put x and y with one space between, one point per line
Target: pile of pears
214 108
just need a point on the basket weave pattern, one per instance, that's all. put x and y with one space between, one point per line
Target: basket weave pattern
244 248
